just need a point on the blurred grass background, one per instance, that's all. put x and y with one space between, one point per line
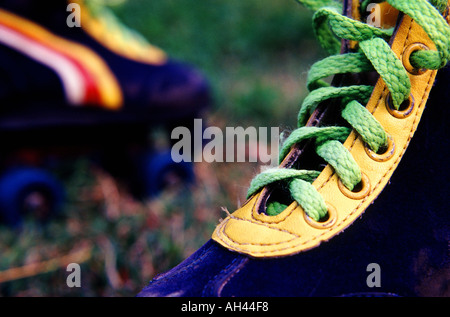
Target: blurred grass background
255 54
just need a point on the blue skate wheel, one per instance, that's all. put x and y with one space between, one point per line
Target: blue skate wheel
27 191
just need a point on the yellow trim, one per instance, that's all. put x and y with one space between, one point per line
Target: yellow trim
113 40
258 235
356 10
389 15
109 89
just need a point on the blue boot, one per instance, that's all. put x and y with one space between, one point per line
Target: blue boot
309 230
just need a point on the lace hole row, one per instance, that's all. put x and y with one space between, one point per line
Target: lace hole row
363 188
359 192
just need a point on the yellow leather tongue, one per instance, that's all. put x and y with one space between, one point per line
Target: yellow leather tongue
107 30
381 15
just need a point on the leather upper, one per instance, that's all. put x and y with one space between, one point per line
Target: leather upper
250 232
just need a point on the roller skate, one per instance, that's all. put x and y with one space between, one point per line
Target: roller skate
321 224
72 77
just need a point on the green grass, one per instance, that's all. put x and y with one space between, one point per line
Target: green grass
255 54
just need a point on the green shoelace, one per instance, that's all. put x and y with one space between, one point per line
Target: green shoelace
374 53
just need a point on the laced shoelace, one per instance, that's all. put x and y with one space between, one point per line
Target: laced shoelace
374 53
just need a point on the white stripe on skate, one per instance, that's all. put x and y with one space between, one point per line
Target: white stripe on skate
71 77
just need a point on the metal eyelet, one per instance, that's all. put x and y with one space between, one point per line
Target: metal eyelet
329 222
361 191
406 58
405 109
387 153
